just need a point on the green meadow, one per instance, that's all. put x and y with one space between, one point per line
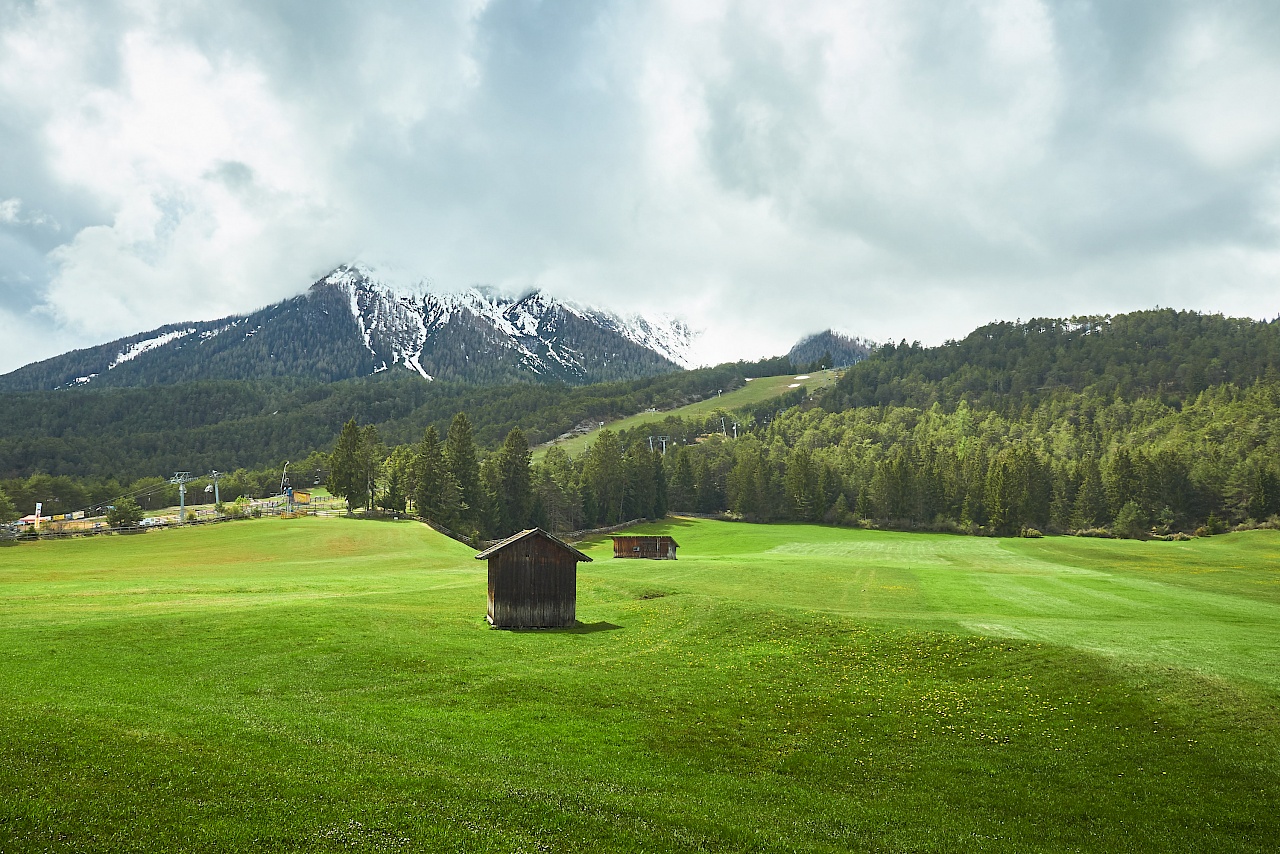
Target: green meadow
331 685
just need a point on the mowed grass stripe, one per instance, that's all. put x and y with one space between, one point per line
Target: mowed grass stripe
1149 604
745 697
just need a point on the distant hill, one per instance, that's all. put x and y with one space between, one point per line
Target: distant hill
1174 354
842 349
352 324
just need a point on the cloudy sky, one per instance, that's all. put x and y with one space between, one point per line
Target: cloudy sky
764 169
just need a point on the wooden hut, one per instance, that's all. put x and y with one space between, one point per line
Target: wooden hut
650 548
533 581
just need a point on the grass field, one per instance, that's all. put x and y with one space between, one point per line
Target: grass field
330 685
755 391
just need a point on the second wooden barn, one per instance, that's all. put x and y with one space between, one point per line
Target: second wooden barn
533 581
647 547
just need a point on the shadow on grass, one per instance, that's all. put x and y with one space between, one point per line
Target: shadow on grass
576 629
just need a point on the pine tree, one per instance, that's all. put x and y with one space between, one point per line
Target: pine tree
514 497
486 519
346 470
399 478
830 490
372 453
862 507
641 491
1264 494
1130 522
436 493
556 490
893 487
838 513
460 462
801 485
930 492
998 496
1091 497
683 492
744 481
604 477
1122 481
709 496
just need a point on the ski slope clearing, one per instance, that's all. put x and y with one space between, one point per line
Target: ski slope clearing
756 391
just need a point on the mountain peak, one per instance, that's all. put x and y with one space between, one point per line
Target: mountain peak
359 320
531 323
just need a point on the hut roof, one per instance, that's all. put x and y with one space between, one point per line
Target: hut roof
645 537
532 532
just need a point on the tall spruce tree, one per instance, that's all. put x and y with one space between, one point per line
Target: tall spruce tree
801 485
1091 497
400 479
461 464
640 490
514 498
604 478
559 498
346 469
372 453
1264 494
682 494
435 493
487 521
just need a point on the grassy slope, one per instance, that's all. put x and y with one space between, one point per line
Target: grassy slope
756 391
331 685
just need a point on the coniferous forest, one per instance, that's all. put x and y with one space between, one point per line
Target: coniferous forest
1158 423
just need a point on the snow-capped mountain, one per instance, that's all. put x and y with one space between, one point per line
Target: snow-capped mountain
355 323
412 326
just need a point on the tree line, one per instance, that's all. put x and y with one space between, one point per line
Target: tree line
453 482
1072 463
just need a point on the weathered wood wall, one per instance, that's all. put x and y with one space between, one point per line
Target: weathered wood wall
651 547
533 583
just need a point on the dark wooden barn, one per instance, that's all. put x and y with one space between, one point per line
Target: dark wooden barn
533 581
652 548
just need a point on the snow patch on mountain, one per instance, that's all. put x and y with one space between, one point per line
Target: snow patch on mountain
136 349
666 335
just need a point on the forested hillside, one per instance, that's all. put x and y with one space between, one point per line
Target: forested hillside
1073 462
1167 353
129 433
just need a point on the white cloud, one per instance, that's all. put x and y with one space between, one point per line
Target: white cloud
897 170
12 213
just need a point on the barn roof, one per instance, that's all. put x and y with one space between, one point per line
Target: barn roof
532 532
645 537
